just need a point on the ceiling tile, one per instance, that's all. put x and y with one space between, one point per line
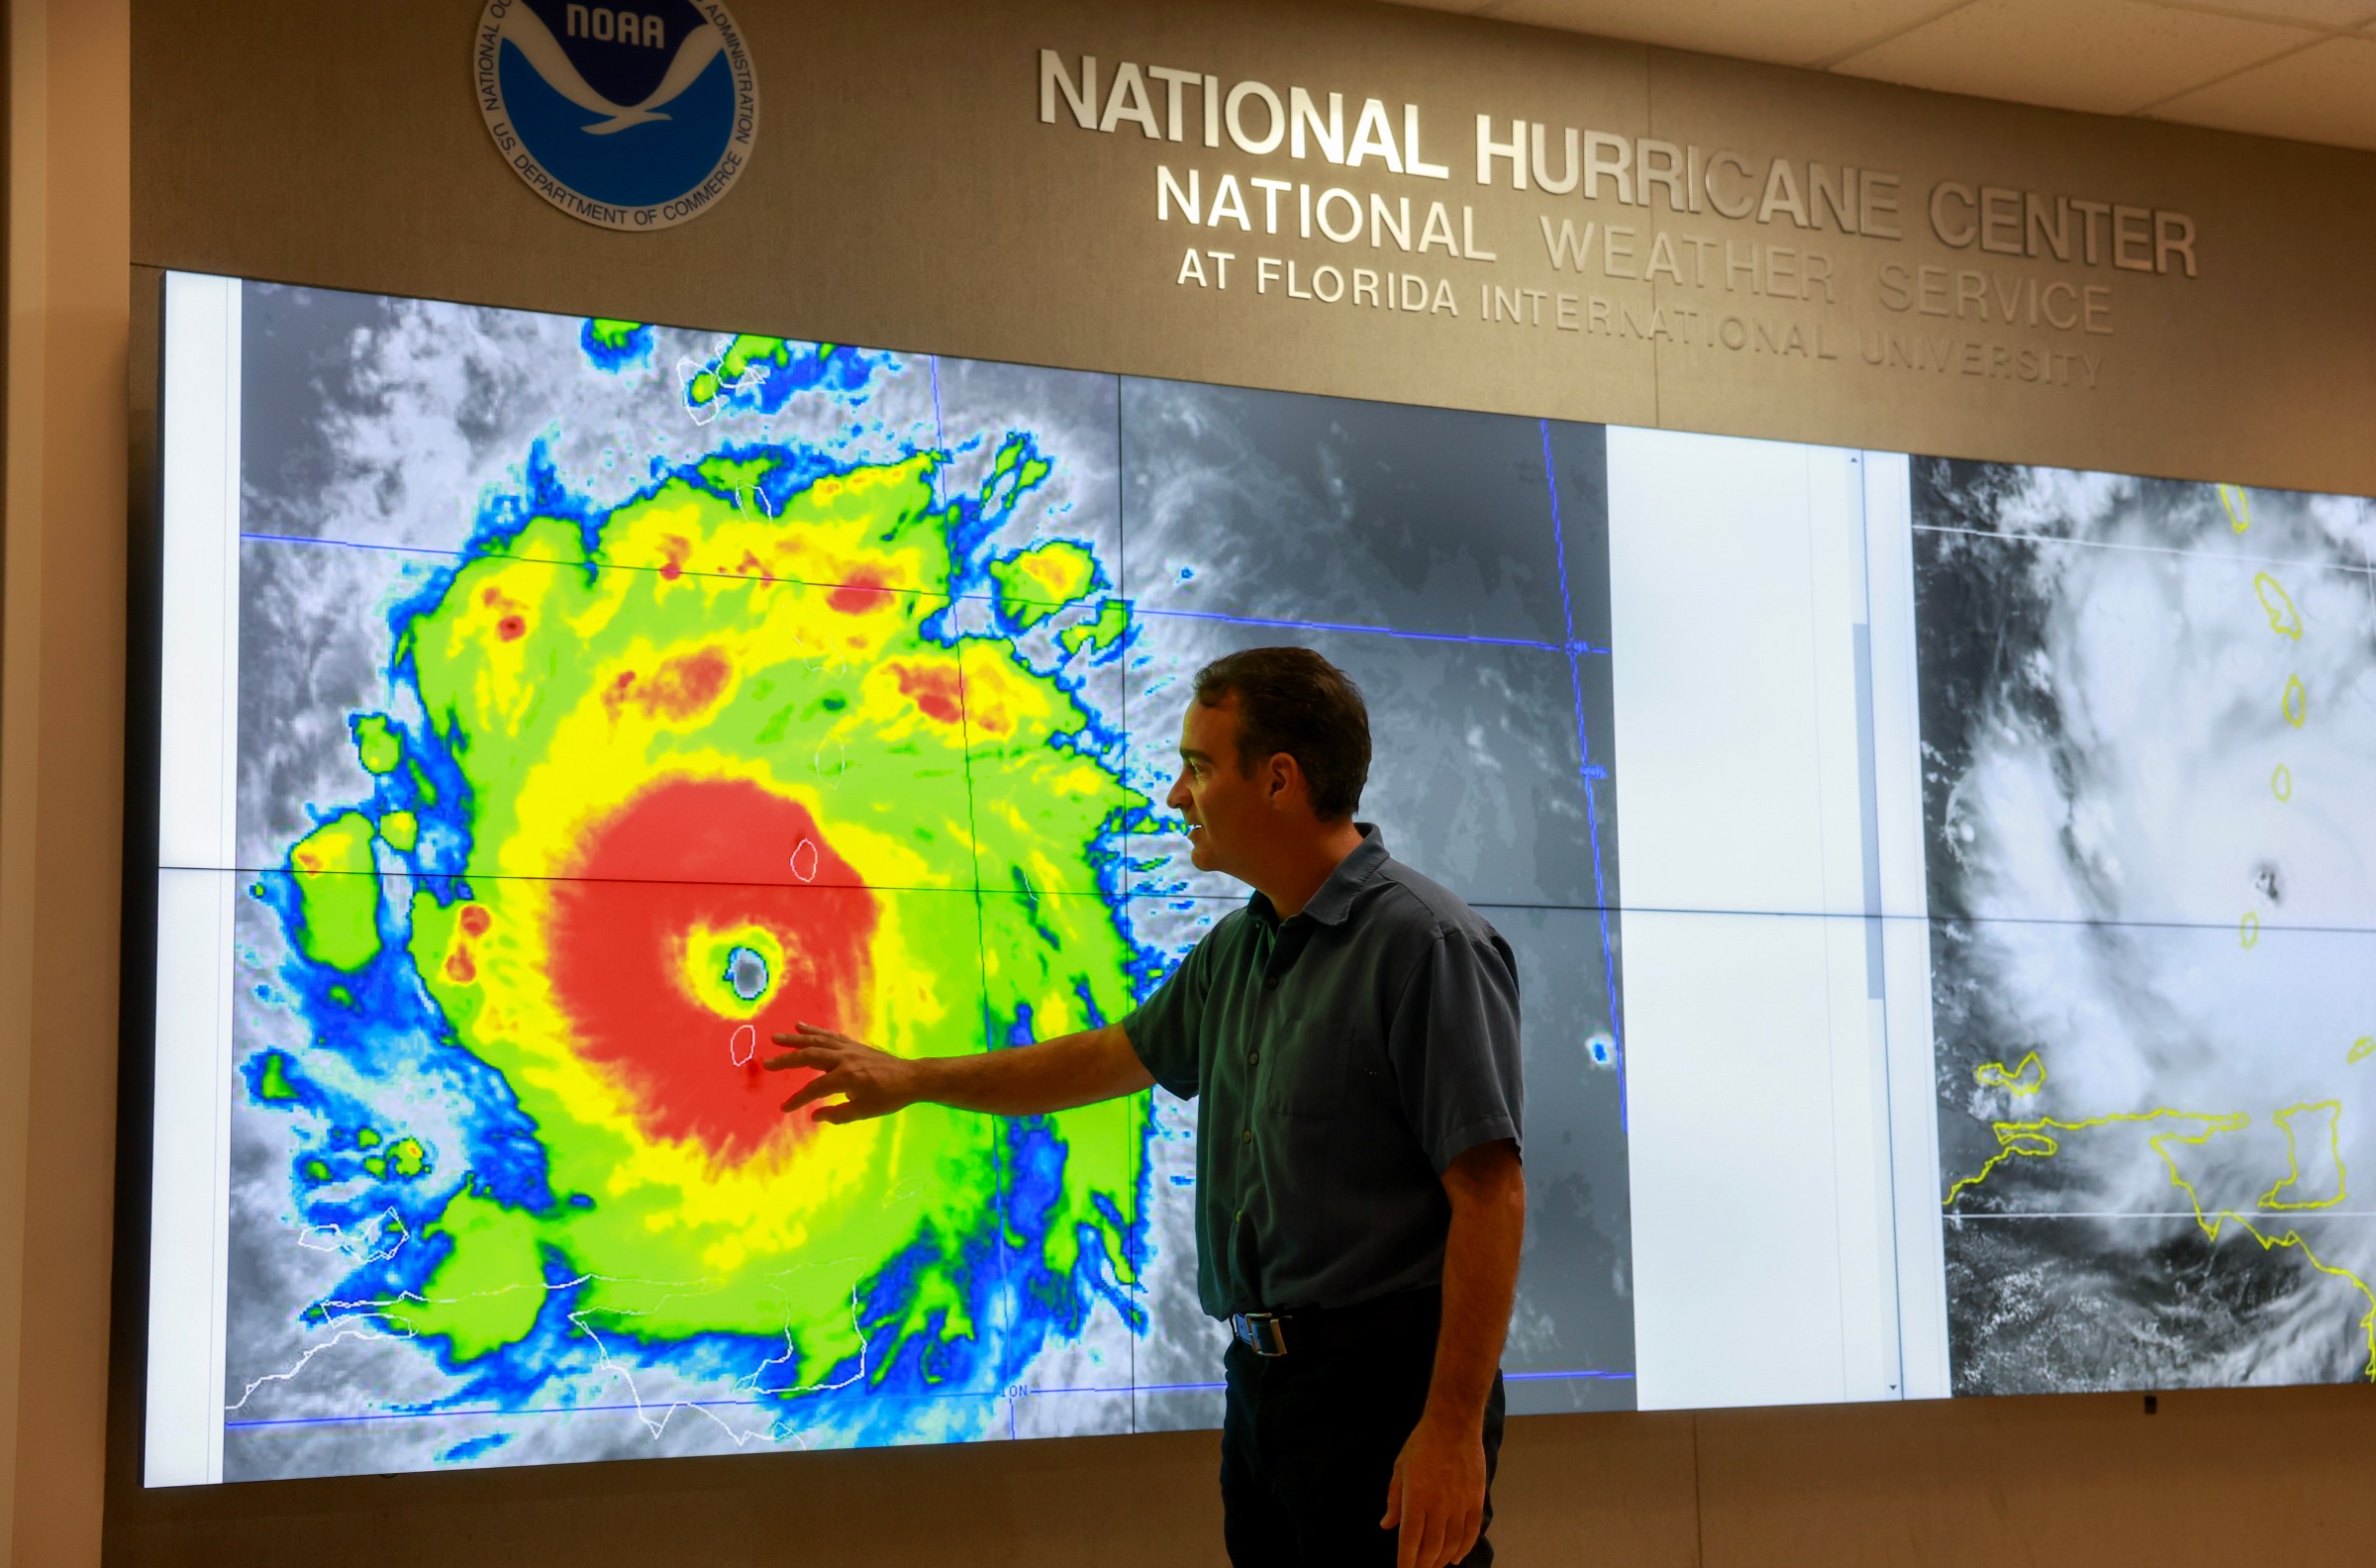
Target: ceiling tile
1789 32
2325 93
2112 56
2312 13
2109 56
2177 59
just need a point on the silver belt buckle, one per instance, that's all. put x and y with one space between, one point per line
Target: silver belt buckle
1264 1333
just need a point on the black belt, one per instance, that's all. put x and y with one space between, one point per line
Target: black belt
1277 1333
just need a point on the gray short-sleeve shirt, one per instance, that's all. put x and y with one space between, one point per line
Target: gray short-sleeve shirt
1340 1060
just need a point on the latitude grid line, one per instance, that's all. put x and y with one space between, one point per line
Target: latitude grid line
361 1418
1002 1170
1132 607
1142 1185
2362 569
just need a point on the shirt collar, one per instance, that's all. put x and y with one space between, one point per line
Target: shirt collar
1335 900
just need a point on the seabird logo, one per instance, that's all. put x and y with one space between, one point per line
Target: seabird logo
631 117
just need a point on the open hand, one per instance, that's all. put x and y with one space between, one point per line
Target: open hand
871 1082
1436 1501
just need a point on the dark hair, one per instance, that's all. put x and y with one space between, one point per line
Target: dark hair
1291 700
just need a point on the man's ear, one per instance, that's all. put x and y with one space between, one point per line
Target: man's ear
1286 778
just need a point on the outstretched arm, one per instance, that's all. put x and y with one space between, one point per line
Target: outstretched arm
1024 1080
1437 1498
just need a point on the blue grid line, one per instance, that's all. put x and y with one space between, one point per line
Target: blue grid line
430 551
1545 1377
1001 1175
361 545
939 433
1134 607
1586 773
1571 647
787 1404
439 553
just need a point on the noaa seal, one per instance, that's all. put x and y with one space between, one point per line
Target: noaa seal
632 117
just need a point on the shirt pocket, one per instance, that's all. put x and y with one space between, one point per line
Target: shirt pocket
1308 1074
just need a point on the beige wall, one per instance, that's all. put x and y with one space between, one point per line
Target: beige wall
61 758
906 195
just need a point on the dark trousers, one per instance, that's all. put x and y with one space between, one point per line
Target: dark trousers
1309 1440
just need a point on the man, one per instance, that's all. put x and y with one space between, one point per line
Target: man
1351 1037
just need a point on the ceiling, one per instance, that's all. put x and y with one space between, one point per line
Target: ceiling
2303 69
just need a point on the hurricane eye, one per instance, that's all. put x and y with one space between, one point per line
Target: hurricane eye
2270 881
746 972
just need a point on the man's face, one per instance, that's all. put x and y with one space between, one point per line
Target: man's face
1227 812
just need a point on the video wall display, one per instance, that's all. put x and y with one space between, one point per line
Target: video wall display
2149 731
553 709
600 699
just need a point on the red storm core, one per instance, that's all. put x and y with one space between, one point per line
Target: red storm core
715 853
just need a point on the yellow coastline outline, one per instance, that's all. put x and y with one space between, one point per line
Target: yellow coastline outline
2015 1080
2293 1157
2036 1139
2284 618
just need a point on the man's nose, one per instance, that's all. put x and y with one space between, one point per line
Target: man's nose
1179 797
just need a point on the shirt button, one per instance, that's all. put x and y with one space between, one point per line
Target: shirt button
1252 1057
1246 1137
1270 983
